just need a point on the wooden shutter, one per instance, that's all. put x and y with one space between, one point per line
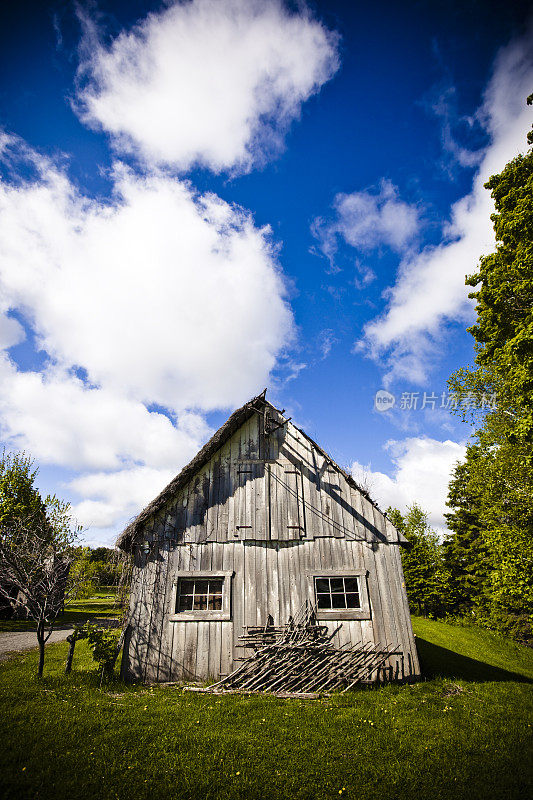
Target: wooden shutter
250 501
286 505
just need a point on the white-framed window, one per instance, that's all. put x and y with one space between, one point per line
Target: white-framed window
340 594
201 596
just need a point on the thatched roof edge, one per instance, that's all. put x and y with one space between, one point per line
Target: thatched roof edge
241 415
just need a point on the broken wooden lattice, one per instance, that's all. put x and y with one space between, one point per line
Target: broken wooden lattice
299 657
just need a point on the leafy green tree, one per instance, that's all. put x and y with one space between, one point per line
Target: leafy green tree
20 501
108 566
83 572
36 538
491 494
102 554
504 305
18 496
426 578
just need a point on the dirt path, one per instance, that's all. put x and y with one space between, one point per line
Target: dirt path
26 640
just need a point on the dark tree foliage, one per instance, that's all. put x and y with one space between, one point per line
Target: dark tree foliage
467 557
103 554
426 580
504 327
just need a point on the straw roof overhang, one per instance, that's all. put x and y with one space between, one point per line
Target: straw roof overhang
127 538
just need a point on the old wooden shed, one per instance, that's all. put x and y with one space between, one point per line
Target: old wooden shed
261 523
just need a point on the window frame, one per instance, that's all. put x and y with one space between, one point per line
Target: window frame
342 613
221 615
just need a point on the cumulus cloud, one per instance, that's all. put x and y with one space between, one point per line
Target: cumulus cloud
158 303
112 496
161 294
157 296
368 220
422 470
214 83
430 289
61 420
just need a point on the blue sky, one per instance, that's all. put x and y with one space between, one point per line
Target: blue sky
199 200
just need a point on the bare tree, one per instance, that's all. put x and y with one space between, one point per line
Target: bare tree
35 559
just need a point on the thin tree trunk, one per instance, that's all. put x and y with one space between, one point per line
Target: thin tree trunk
40 639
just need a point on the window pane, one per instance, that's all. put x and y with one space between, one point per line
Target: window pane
184 603
324 601
200 602
351 584
352 600
343 593
338 601
199 594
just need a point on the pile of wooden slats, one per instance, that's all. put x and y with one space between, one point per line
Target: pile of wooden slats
300 658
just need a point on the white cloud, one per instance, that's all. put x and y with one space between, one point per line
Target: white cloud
326 341
158 295
444 107
11 332
422 470
367 220
111 496
430 287
208 82
162 295
60 420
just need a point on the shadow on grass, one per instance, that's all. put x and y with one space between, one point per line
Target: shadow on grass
89 610
439 662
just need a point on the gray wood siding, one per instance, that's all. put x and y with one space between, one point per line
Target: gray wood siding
269 578
270 509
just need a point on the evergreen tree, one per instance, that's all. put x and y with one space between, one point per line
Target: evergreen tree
466 555
426 579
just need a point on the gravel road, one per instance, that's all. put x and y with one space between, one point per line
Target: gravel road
26 640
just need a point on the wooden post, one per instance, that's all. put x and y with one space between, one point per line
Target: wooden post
72 644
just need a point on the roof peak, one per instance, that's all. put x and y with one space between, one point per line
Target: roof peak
232 424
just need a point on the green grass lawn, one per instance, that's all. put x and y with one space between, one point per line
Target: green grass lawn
101 605
463 733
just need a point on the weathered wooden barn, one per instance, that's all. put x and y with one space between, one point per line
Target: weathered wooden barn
260 523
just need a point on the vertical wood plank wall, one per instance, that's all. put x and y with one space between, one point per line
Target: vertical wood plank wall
270 510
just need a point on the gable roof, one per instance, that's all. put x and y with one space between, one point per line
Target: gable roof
232 424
